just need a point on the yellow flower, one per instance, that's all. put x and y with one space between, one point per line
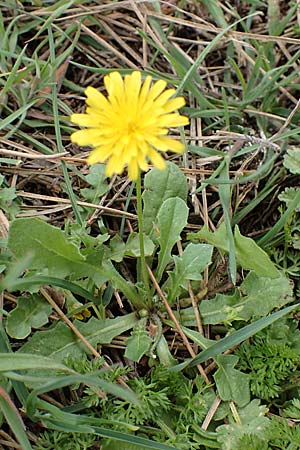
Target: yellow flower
130 125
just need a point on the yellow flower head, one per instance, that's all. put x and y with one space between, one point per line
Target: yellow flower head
130 125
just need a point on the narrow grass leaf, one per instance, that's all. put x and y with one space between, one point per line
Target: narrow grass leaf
261 195
225 199
216 11
238 73
231 340
23 284
130 438
205 52
14 420
60 8
18 361
60 146
279 225
240 335
15 115
71 423
19 387
11 79
89 379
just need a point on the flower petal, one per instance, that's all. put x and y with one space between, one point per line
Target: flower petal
173 145
95 99
91 136
173 120
100 154
84 120
133 169
156 89
156 159
114 165
142 162
173 104
93 158
144 91
132 85
165 143
114 85
164 97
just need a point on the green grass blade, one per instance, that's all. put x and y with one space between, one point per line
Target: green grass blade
89 379
260 173
59 8
271 234
131 439
16 361
206 51
11 79
15 115
213 179
14 419
19 387
261 195
239 73
21 284
58 132
234 339
71 423
225 199
34 142
240 335
216 12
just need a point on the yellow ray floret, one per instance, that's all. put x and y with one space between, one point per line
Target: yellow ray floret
129 127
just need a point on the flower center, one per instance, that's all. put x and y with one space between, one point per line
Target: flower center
131 127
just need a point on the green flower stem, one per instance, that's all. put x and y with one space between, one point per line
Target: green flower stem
141 238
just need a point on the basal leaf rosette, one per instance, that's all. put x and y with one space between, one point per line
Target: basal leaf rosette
129 127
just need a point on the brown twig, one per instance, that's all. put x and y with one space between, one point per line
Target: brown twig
177 324
78 334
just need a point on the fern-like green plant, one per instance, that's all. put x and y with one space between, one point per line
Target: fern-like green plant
54 440
85 365
271 358
282 436
154 403
251 442
292 410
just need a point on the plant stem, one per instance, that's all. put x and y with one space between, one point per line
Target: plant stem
141 238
